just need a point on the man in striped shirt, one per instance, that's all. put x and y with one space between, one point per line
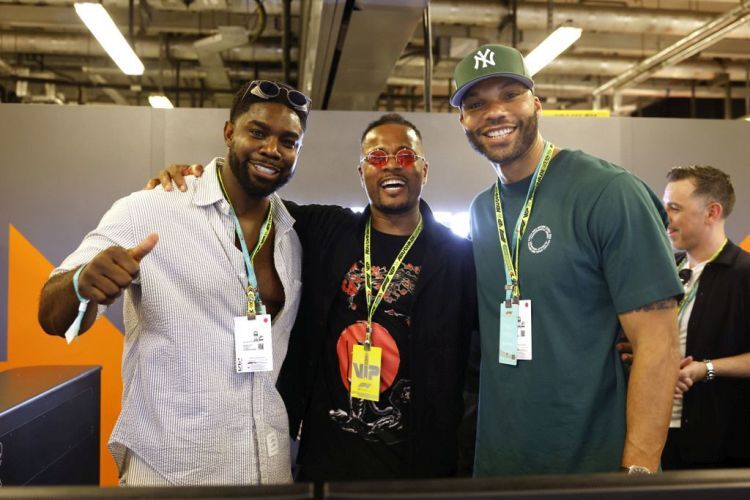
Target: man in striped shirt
197 407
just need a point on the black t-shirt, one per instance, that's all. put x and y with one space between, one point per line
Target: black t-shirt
348 438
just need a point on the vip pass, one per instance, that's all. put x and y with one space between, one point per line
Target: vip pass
515 314
366 355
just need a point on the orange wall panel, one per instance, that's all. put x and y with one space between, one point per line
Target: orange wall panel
28 345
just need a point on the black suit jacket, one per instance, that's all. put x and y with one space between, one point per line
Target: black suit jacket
716 415
444 314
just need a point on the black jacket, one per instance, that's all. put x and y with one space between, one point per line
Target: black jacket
716 415
443 316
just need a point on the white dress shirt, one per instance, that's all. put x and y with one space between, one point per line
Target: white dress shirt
185 410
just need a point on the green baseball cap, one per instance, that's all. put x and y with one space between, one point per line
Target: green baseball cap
486 62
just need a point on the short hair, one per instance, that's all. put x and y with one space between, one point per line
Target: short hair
391 118
244 98
709 182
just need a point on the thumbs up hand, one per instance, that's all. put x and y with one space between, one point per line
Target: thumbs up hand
112 270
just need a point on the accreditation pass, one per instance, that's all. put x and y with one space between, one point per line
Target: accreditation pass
253 344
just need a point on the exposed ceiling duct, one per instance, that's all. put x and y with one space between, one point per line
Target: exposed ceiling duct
703 37
595 66
209 51
342 68
363 67
586 16
84 45
368 54
321 29
272 7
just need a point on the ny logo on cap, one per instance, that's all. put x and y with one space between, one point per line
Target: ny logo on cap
487 58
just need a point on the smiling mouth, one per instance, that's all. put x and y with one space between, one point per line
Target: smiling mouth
499 132
392 185
265 170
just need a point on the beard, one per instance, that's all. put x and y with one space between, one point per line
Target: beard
394 209
529 130
253 187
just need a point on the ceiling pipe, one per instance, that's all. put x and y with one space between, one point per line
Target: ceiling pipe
84 45
428 61
273 7
209 52
486 14
597 66
680 50
588 17
286 41
576 89
188 73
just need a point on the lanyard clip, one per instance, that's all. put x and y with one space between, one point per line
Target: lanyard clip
368 337
250 302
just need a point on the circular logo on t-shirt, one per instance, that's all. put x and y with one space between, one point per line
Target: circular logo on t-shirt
539 239
355 334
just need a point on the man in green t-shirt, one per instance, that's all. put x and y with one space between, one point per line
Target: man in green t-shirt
592 255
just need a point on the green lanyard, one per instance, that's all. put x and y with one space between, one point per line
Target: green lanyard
694 289
252 281
372 305
512 288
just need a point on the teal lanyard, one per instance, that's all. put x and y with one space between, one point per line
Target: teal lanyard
510 256
253 294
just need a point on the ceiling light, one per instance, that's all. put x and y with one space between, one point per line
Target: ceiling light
160 101
97 20
552 46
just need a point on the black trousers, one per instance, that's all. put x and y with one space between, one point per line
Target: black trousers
672 460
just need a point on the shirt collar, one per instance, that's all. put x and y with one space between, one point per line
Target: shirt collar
207 188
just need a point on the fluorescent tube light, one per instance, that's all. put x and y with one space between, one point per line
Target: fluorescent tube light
97 20
160 101
552 46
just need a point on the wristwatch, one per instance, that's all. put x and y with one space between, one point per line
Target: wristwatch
710 371
635 469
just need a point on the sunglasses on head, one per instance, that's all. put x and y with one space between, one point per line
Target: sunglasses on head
406 158
266 89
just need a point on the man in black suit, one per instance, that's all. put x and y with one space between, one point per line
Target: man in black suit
710 425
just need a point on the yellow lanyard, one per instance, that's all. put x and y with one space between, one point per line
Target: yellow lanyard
372 305
512 287
252 281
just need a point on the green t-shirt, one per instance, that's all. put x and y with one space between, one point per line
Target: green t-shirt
595 246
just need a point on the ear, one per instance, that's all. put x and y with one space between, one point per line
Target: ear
461 115
361 177
424 172
537 104
228 133
715 211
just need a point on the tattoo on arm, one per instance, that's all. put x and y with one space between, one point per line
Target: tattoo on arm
654 306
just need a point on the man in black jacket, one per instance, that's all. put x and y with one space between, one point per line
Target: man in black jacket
422 324
395 273
711 414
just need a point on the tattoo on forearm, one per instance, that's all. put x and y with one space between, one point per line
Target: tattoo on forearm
654 306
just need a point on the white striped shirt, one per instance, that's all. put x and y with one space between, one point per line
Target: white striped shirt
185 410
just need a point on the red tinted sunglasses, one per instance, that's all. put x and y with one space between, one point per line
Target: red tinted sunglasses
406 158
